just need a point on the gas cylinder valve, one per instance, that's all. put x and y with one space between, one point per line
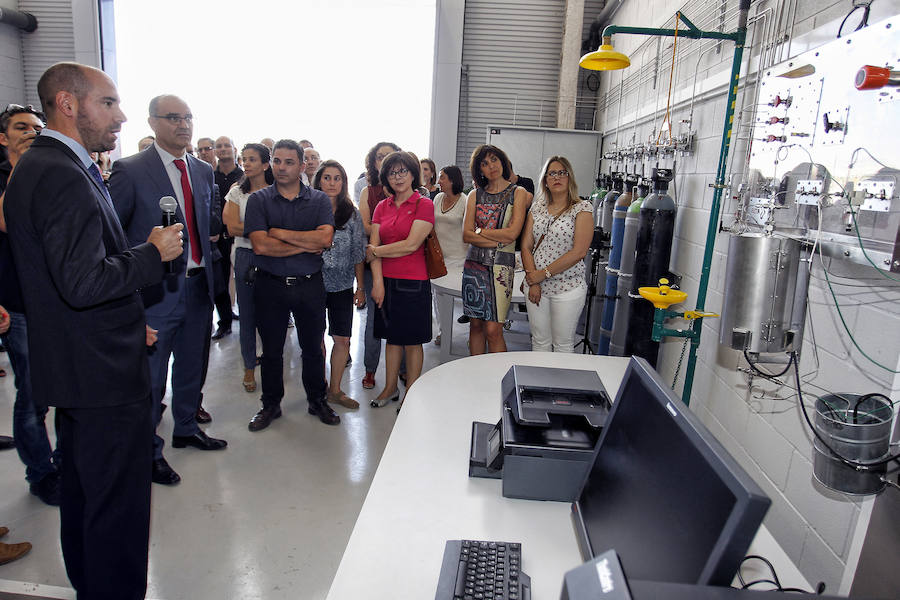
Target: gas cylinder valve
831 125
778 101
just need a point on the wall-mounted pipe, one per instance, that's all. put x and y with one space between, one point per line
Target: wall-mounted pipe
27 22
739 39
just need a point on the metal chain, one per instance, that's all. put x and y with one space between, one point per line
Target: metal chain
680 360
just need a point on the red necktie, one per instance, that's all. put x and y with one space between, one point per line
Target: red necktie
194 236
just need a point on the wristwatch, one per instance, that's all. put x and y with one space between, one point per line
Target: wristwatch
547 273
478 231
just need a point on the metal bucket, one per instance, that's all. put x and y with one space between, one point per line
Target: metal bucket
858 431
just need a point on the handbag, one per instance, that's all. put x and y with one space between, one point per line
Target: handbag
434 256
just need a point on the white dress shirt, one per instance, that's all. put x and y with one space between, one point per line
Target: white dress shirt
174 174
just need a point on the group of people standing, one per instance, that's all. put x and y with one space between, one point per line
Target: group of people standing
83 241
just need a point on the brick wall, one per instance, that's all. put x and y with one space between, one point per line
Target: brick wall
760 424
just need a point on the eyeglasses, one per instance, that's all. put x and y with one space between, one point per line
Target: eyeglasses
204 148
560 174
177 119
398 174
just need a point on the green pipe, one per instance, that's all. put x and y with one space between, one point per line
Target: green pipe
713 227
738 37
695 34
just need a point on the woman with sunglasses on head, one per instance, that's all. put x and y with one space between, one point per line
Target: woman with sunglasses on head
369 198
556 238
342 264
401 289
257 175
495 213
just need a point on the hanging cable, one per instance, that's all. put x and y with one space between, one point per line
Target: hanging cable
844 322
667 118
866 5
762 373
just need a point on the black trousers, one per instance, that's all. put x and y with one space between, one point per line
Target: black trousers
105 500
222 274
274 301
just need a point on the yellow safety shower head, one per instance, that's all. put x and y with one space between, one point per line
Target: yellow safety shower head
604 58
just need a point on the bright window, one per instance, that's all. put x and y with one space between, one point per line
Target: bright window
343 74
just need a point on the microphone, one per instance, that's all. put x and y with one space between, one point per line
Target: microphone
168 205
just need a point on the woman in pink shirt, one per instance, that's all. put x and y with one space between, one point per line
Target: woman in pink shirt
400 285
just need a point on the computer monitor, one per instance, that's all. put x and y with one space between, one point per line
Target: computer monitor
663 492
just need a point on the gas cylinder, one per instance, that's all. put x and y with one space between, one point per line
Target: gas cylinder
600 191
615 255
626 266
603 219
603 213
653 249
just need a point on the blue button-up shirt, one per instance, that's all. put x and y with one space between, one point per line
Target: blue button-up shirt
267 208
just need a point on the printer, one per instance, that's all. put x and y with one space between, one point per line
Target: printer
544 443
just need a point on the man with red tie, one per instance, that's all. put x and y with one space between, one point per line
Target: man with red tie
180 307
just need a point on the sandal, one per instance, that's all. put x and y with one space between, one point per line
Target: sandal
249 381
381 402
342 399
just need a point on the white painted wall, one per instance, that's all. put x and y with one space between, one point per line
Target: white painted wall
820 530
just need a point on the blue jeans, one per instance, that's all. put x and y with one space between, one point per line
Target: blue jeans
242 258
372 344
29 429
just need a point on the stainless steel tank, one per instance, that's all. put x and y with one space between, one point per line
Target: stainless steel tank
762 300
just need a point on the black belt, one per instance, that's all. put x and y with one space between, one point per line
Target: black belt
287 280
194 272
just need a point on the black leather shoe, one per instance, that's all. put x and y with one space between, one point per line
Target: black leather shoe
198 440
7 442
221 332
47 489
163 473
264 417
203 417
324 412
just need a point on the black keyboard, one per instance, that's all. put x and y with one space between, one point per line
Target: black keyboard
475 570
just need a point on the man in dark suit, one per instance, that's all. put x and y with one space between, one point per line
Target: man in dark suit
180 307
227 173
87 325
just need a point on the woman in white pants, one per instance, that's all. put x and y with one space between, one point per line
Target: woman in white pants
555 240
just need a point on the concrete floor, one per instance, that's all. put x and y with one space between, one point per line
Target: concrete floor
267 518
